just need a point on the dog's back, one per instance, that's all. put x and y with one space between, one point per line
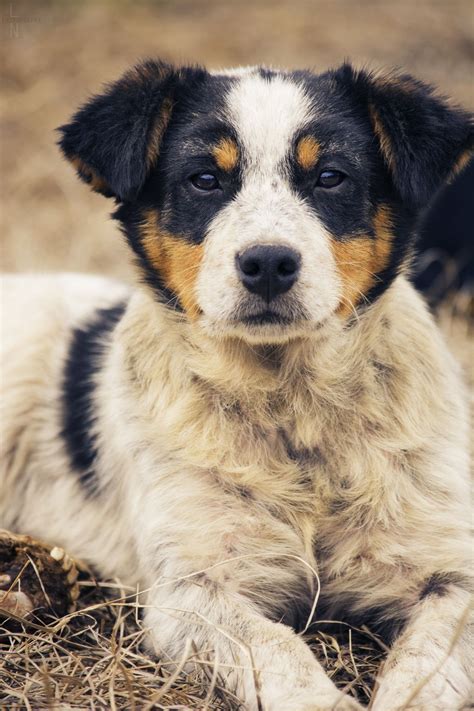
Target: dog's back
39 315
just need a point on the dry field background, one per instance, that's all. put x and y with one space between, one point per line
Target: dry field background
65 51
53 56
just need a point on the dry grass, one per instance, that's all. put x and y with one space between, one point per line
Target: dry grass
94 658
52 58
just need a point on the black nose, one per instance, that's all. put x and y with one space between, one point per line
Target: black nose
268 270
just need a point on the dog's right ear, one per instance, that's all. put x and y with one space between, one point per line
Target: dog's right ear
113 141
423 139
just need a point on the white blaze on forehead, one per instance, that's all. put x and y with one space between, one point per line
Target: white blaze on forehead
266 115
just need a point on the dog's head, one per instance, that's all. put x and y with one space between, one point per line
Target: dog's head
262 203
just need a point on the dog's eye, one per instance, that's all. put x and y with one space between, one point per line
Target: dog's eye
330 179
205 181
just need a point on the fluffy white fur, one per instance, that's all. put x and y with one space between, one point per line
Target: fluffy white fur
202 505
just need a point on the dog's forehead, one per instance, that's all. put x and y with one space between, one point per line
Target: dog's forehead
266 111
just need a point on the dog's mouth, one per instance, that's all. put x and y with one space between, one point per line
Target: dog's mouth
256 321
266 317
281 316
268 324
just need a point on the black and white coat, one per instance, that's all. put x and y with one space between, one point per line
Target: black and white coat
234 451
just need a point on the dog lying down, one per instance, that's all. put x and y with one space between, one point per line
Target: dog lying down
269 428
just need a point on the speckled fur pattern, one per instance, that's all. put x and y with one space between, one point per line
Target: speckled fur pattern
238 471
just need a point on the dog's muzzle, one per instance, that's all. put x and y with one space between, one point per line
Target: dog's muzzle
268 270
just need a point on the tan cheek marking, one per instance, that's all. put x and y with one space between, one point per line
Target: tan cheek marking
307 152
383 227
91 178
177 262
226 154
359 260
353 262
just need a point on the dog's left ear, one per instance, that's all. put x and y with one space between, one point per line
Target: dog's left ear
113 141
423 140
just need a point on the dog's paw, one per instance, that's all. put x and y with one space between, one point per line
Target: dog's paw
415 684
427 704
437 697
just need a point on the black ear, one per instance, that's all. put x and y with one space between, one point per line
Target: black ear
423 139
114 139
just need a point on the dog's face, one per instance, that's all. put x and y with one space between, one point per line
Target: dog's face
258 193
262 204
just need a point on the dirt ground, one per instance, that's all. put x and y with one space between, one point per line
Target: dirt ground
53 56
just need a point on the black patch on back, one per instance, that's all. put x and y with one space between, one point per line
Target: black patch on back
86 352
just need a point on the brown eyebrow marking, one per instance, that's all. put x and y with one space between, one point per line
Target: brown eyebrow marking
226 154
307 152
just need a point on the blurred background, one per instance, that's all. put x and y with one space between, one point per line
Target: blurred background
55 54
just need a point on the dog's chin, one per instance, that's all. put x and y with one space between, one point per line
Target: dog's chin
264 327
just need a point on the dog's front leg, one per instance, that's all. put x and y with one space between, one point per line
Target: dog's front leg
428 668
265 663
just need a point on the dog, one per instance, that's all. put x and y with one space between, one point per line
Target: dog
269 428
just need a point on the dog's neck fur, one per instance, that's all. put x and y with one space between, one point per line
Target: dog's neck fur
324 434
267 384
259 415
261 380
